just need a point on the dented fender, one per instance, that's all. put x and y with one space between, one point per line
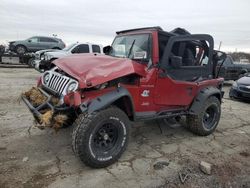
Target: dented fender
106 100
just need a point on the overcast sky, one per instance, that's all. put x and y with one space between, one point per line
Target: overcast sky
96 21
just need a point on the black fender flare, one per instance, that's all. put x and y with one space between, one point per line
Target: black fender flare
106 100
202 96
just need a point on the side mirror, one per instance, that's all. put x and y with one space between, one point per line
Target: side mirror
107 49
176 62
140 55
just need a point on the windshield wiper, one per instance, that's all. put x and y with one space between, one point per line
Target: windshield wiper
130 50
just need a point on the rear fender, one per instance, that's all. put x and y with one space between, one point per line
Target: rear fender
202 96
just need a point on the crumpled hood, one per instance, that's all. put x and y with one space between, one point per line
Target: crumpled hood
94 69
244 80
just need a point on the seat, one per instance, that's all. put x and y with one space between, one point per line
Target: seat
188 58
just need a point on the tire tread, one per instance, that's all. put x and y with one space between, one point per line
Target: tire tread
82 126
194 122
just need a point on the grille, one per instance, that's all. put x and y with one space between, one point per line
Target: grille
57 82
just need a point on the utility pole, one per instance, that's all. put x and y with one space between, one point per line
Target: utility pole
220 45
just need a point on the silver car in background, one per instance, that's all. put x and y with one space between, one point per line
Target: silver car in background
36 43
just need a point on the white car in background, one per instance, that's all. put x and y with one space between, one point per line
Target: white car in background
44 58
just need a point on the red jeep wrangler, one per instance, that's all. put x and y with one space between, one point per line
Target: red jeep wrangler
146 74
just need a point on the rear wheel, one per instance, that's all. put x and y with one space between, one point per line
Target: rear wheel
207 120
101 137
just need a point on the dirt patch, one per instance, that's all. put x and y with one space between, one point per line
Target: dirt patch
3 148
160 165
35 96
40 180
244 154
59 120
48 118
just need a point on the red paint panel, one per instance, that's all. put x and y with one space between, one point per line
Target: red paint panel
174 93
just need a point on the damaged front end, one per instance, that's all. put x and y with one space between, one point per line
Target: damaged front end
46 109
71 86
46 101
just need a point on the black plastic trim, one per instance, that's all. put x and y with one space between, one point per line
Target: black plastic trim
202 96
158 28
106 100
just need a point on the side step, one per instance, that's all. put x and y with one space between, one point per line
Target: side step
160 115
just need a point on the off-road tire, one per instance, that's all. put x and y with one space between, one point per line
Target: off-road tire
31 62
18 51
195 123
87 126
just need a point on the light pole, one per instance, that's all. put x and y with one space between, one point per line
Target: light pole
220 45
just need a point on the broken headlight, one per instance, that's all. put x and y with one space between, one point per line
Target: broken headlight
46 78
72 86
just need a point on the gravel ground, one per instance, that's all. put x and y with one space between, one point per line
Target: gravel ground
155 157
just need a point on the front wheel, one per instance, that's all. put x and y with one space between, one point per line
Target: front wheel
207 120
20 49
31 62
101 137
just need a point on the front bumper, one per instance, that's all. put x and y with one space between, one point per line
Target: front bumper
239 94
42 65
37 110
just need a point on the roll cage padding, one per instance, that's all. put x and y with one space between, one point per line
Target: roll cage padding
202 96
164 62
106 100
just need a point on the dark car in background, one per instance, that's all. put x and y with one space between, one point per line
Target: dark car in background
36 43
231 70
241 88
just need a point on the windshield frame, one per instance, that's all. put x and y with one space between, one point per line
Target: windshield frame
149 50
